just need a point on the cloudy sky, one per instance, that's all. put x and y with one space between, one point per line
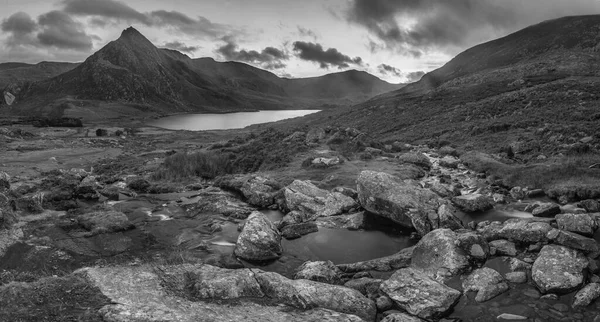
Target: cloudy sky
396 40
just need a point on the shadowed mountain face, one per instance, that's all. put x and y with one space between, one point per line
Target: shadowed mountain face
132 70
540 81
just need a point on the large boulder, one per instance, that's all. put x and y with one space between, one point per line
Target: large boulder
503 247
473 202
294 231
353 221
413 291
215 200
438 255
546 210
324 272
305 197
488 283
416 158
573 240
259 240
446 218
518 230
384 264
210 282
305 294
368 287
582 224
402 201
258 191
559 269
590 205
100 222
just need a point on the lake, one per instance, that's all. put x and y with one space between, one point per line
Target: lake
203 122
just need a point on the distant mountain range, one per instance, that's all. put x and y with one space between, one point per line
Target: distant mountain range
131 70
524 90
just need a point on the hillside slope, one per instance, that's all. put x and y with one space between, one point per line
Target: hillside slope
535 90
131 70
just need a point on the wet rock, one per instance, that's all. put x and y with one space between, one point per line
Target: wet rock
139 185
215 200
518 193
487 282
473 202
368 287
138 292
402 201
324 272
546 210
503 247
294 231
517 230
294 217
383 303
586 295
474 245
416 158
258 191
582 224
353 221
511 317
305 294
101 222
446 218
306 197
449 162
590 205
572 240
516 277
385 264
438 255
4 181
259 240
210 282
413 291
401 317
559 269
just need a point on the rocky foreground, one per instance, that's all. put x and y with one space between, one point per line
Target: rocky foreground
87 246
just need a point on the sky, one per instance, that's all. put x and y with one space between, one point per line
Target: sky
396 40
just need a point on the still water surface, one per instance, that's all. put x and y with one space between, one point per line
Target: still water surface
203 122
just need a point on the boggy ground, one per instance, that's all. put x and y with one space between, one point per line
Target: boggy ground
138 227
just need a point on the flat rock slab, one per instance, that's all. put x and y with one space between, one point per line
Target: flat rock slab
522 231
586 295
487 282
582 224
139 296
473 202
559 269
419 295
306 197
384 264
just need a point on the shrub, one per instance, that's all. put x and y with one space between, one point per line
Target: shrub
182 165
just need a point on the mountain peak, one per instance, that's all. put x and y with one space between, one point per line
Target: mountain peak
133 35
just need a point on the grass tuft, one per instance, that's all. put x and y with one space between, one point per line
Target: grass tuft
181 166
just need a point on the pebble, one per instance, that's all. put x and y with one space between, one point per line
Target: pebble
511 317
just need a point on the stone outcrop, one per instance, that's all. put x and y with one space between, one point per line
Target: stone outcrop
402 201
259 240
558 269
413 291
215 200
305 197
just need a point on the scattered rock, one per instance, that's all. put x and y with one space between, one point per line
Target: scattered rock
559 269
259 240
438 255
586 295
385 264
353 221
258 191
416 158
413 291
324 272
590 205
209 282
401 317
4 181
573 240
449 162
518 193
306 197
446 218
517 230
139 185
510 317
383 303
293 231
402 201
368 287
582 224
503 247
546 210
101 222
473 202
215 200
487 282
305 294
516 277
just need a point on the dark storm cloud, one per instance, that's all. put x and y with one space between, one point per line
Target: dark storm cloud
387 69
54 29
325 58
415 76
269 57
178 45
414 26
117 10
61 31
